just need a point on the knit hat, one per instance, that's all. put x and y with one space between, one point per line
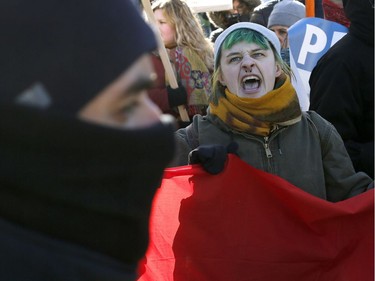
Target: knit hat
269 34
71 49
286 13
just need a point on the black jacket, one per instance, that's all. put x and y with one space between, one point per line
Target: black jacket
28 255
342 85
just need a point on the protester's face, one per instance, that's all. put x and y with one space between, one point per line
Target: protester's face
248 71
281 33
167 30
237 7
125 103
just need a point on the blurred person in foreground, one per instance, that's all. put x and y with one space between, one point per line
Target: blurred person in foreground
82 147
254 112
342 85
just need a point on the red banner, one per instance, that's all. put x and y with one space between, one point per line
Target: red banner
245 224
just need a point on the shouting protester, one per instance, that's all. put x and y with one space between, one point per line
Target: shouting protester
255 106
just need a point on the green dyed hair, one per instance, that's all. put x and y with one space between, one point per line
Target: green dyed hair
248 36
243 35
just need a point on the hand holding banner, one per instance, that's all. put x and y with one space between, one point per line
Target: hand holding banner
246 224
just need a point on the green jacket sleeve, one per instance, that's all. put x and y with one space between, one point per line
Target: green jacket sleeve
342 182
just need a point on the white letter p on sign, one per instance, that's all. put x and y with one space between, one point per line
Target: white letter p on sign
308 47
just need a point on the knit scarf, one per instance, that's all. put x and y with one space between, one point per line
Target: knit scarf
259 116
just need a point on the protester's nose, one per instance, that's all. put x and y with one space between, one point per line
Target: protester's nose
247 63
146 114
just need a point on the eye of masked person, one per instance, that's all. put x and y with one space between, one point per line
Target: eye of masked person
125 103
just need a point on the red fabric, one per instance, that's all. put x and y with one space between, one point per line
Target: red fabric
334 12
245 224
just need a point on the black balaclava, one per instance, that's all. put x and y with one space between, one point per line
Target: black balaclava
87 184
73 48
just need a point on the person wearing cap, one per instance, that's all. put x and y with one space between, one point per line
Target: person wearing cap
254 112
262 12
82 146
284 15
342 85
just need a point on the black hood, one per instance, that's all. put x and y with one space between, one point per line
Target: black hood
73 180
361 16
74 58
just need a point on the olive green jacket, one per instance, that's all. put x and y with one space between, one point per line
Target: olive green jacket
309 154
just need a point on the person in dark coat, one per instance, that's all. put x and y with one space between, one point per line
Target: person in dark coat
342 85
82 147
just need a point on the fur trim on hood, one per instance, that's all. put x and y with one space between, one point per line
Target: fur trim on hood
219 18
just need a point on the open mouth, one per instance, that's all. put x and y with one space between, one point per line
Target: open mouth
250 83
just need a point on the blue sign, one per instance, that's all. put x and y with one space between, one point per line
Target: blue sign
309 40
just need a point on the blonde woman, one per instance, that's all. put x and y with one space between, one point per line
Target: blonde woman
191 55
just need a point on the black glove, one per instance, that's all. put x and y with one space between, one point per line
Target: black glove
212 157
177 96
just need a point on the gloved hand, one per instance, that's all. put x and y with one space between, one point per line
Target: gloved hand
212 157
177 96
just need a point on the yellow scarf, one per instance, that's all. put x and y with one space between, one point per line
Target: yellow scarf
259 115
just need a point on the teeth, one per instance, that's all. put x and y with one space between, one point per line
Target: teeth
251 83
250 78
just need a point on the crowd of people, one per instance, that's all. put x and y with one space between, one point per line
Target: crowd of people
255 106
357 122
90 120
